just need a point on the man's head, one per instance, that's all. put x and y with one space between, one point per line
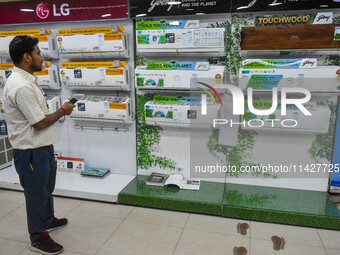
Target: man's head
25 53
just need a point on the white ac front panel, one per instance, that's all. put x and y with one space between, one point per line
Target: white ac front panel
95 45
318 122
182 40
321 79
103 108
176 78
48 49
4 74
49 79
53 103
180 115
99 77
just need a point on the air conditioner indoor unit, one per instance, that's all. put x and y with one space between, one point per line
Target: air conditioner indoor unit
47 43
92 42
103 108
294 121
47 78
5 72
176 78
198 41
186 115
321 79
89 75
53 103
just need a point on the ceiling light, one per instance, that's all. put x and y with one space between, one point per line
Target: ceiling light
26 10
106 15
141 15
174 2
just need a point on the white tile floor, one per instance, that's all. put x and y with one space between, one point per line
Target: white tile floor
108 229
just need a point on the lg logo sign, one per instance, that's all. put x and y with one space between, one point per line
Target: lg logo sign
43 10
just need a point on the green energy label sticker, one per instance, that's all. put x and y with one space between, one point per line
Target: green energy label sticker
264 81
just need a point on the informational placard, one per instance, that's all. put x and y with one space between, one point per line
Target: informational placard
71 10
295 19
139 8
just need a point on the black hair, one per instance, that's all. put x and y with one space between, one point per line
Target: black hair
21 45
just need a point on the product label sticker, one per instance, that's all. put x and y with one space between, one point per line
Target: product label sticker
88 31
117 106
258 81
42 72
200 66
280 63
164 24
337 34
112 71
6 66
42 38
113 37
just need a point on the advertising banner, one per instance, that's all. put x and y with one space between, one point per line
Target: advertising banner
69 10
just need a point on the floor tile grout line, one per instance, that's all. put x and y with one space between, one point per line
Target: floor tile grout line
123 220
299 244
11 211
180 236
323 245
7 239
23 249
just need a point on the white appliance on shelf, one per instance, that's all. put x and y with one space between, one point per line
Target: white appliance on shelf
321 79
53 103
103 108
176 78
5 72
209 41
180 114
92 42
83 76
47 43
294 121
48 78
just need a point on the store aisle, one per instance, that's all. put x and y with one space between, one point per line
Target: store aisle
107 229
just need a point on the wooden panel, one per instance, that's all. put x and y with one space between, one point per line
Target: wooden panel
289 37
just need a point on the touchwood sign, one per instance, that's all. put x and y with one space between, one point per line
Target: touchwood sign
312 18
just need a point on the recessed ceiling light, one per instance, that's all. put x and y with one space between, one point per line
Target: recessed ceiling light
26 10
141 15
106 15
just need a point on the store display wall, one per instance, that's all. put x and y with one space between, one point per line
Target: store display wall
102 144
176 148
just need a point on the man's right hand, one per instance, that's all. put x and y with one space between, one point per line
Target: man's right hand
68 107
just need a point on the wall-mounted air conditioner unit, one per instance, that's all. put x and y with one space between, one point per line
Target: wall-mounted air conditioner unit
318 79
5 72
53 103
46 78
95 75
145 77
294 121
103 108
186 115
107 42
47 43
197 41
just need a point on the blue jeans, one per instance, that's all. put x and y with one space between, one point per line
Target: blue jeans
37 170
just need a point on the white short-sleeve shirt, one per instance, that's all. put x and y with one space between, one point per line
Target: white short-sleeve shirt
25 105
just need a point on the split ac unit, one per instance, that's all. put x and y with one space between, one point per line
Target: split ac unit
46 78
176 78
53 103
103 108
180 115
320 79
92 42
201 40
294 121
47 43
5 72
89 75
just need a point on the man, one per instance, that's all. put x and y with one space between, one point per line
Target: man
32 132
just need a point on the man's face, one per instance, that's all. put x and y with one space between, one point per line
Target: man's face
37 59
